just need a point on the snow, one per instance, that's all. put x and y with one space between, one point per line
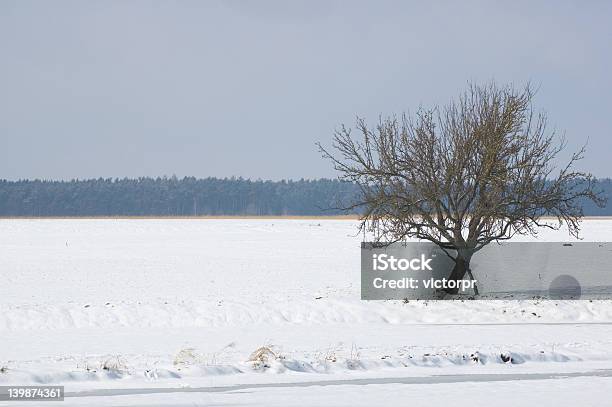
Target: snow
570 392
169 312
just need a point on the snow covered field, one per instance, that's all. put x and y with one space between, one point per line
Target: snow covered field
267 312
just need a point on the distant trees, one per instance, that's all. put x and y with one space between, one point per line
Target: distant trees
480 169
172 197
187 197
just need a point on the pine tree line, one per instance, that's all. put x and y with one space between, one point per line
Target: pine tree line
172 197
189 196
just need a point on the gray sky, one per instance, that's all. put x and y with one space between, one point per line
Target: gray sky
212 88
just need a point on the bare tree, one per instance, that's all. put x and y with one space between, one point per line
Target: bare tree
480 169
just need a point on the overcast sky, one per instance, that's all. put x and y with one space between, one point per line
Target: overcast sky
222 88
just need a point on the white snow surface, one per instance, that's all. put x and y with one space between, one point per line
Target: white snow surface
172 312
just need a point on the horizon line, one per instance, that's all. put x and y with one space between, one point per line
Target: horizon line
190 177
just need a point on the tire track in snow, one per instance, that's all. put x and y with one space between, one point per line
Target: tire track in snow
436 379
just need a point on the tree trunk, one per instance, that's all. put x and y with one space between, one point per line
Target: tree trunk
462 267
459 271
